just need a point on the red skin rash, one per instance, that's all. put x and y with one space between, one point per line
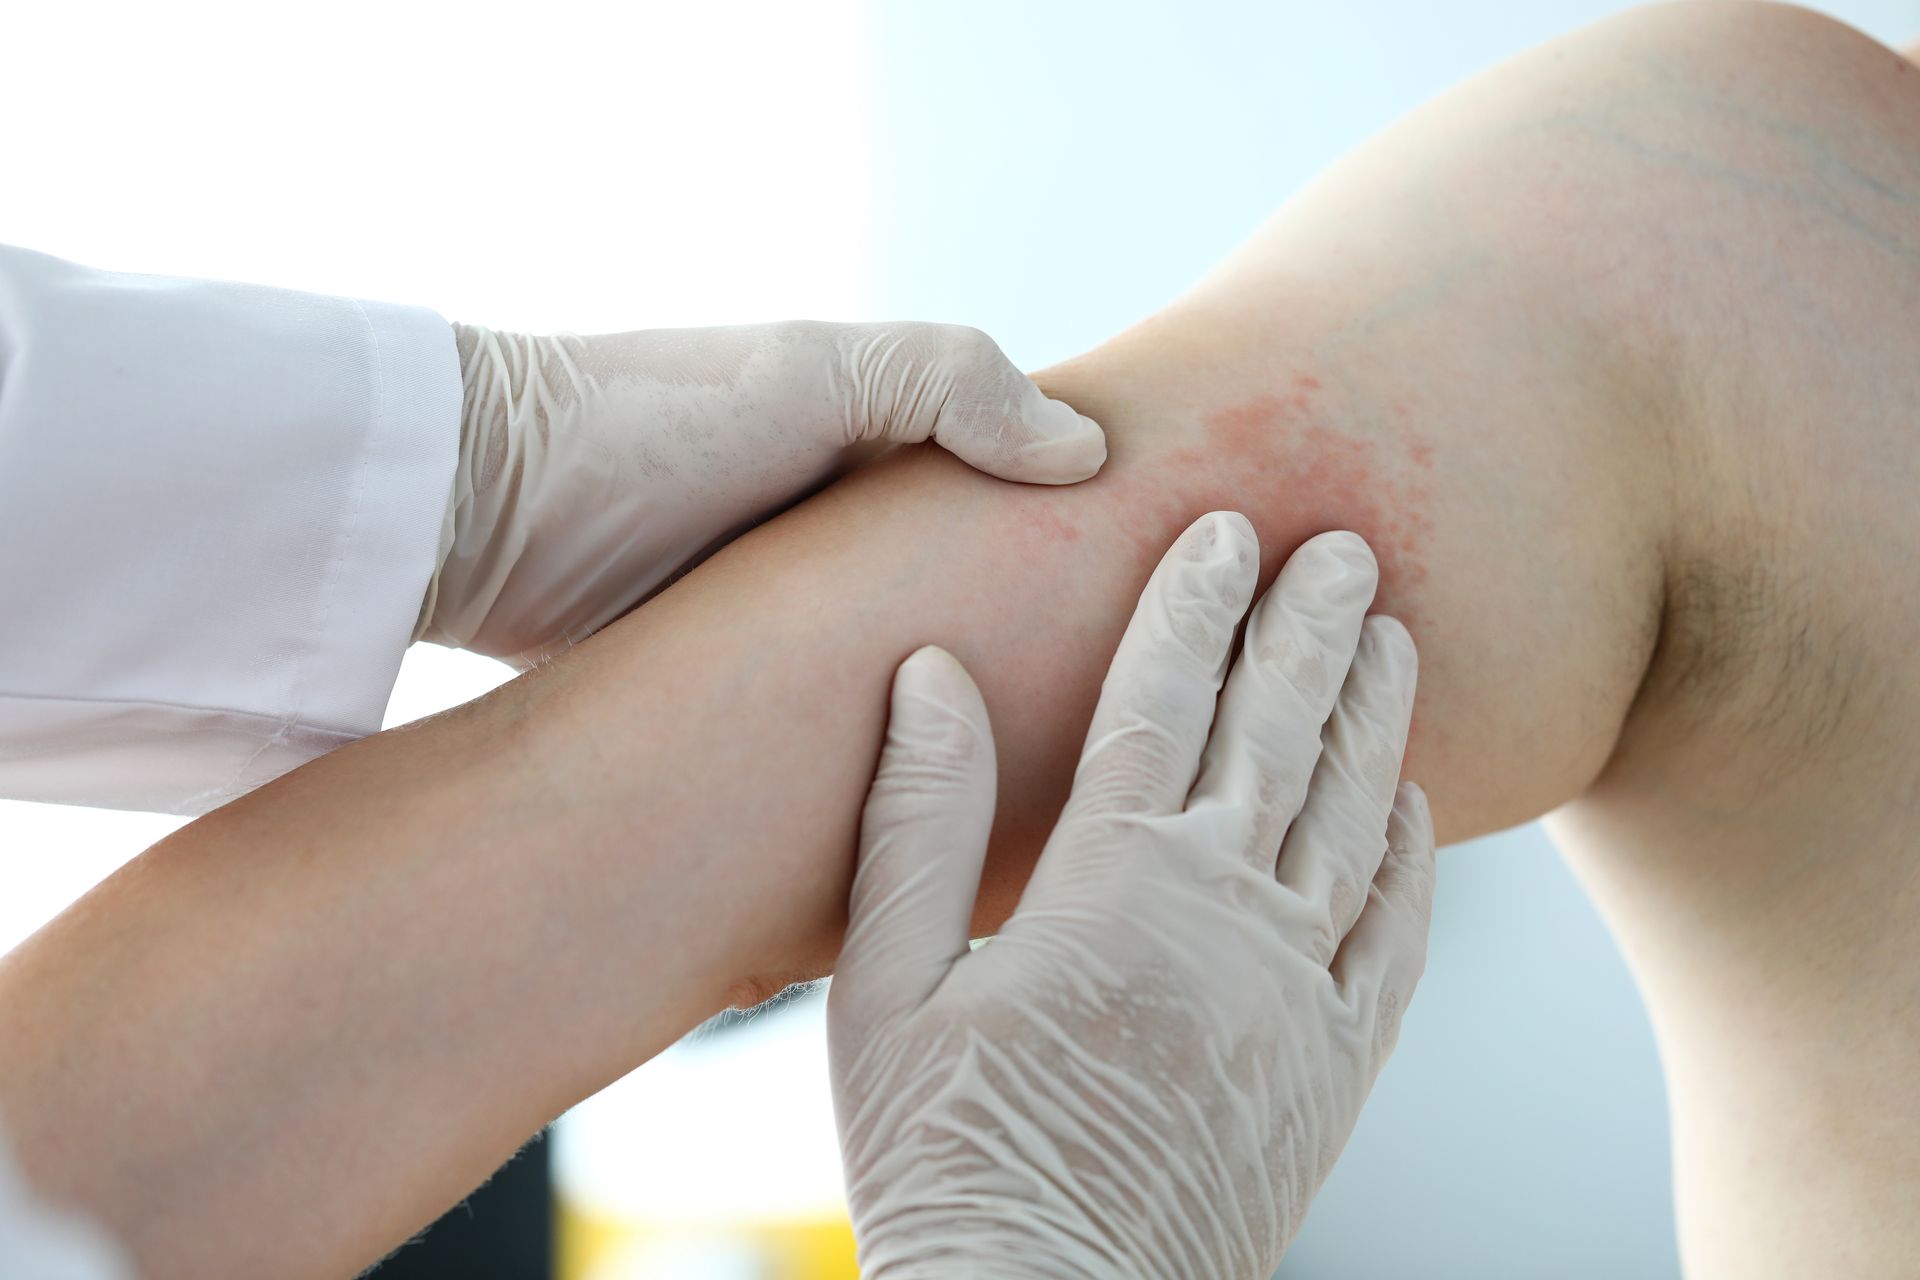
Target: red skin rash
1049 522
1274 457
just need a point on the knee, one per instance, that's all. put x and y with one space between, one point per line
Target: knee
1782 49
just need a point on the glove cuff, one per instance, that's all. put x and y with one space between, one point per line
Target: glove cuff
467 340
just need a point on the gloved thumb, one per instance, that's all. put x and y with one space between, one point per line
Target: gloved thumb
953 385
923 839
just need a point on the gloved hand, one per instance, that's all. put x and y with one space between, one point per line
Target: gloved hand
593 469
1150 1070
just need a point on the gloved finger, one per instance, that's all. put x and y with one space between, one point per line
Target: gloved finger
1382 958
1156 706
923 839
952 384
1299 644
1336 844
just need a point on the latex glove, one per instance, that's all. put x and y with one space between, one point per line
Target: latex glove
39 1241
593 469
1152 1067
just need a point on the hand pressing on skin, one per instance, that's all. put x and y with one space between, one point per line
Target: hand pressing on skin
594 469
1150 1070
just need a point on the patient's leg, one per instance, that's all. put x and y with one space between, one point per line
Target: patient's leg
1521 343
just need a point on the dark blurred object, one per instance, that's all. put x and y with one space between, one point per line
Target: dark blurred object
503 1231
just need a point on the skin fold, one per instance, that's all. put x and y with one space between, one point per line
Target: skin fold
1610 355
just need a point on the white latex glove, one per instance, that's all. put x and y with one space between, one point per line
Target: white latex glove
1150 1070
593 469
43 1243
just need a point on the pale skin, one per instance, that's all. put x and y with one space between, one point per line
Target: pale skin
1613 356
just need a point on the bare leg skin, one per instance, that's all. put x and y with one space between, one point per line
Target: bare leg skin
1751 838
1610 354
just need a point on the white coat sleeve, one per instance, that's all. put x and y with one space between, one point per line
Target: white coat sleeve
220 505
43 1243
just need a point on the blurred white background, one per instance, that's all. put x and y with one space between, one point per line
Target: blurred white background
1048 171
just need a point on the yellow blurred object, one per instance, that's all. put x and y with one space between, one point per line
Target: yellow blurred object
717 1160
594 1247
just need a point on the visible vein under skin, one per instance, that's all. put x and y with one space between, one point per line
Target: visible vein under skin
1539 373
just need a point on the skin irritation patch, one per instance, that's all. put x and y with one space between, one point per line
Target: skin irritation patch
1274 457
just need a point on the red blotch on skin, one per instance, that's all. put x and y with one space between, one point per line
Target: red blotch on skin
1049 521
1274 458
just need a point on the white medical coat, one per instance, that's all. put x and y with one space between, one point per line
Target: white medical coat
219 508
220 505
